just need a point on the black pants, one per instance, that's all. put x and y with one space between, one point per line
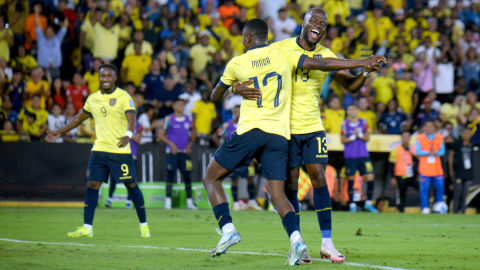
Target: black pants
403 184
460 194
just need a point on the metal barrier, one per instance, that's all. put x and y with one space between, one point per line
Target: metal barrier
150 167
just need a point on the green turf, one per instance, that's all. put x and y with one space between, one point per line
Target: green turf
394 240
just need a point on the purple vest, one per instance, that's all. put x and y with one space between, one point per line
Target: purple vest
178 131
357 148
231 128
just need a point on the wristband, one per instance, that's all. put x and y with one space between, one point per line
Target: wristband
360 135
352 137
129 134
366 74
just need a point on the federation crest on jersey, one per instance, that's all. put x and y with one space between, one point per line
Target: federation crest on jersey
317 56
113 101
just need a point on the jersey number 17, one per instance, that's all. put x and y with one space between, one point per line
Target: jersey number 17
264 83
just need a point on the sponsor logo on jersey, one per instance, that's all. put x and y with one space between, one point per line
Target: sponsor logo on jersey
317 56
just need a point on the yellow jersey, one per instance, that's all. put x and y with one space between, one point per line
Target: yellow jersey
271 70
41 114
137 67
306 88
405 90
383 89
205 113
92 80
108 111
370 117
333 120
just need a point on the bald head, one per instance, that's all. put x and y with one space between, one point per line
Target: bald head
314 10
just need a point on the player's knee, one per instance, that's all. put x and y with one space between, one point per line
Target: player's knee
131 184
234 181
318 180
94 184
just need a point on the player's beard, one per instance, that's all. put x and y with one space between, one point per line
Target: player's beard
307 40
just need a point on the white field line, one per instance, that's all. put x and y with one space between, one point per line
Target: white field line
202 250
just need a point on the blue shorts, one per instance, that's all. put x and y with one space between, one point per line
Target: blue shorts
181 161
270 150
101 164
362 165
244 172
308 148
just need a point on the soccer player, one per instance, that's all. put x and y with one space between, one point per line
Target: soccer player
178 134
114 113
355 135
264 128
226 130
429 147
308 144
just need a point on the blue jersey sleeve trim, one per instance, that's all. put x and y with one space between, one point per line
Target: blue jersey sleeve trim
333 73
222 84
301 60
87 112
128 111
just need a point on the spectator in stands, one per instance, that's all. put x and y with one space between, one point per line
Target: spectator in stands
445 72
473 123
77 92
30 25
8 112
229 12
401 169
86 132
49 46
423 75
164 100
91 77
461 170
125 34
426 114
336 8
429 147
32 120
136 66
56 120
450 112
190 96
472 102
153 81
24 61
146 125
6 72
69 113
334 116
365 113
470 68
178 134
146 47
6 40
393 121
36 86
15 90
384 86
106 38
405 90
201 53
432 53
204 113
57 94
283 26
8 134
87 34
379 26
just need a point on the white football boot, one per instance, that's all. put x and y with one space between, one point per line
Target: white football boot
330 252
297 251
253 205
228 239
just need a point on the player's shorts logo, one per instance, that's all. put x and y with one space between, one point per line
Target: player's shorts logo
113 101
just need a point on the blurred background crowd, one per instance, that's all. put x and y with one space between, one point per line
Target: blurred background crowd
50 52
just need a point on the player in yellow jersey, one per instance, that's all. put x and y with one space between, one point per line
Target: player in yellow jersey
264 128
114 113
308 144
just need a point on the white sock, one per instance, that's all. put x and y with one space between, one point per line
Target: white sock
168 200
228 228
368 202
189 201
88 226
144 223
353 204
294 237
327 241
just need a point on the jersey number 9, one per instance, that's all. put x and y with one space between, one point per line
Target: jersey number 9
104 111
276 101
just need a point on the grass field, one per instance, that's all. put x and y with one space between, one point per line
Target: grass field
387 241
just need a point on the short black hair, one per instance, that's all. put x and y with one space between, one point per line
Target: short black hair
257 27
127 84
147 107
37 95
352 104
113 67
432 121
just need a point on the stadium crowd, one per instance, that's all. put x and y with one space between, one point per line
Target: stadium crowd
165 50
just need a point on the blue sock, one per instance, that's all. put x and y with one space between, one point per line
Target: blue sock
323 206
290 223
222 214
170 178
424 190
251 191
292 196
112 187
370 186
91 201
350 191
187 177
439 185
137 199
235 193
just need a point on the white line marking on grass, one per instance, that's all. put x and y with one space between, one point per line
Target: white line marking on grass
203 250
430 225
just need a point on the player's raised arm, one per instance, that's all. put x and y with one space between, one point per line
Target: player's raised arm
333 64
76 121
